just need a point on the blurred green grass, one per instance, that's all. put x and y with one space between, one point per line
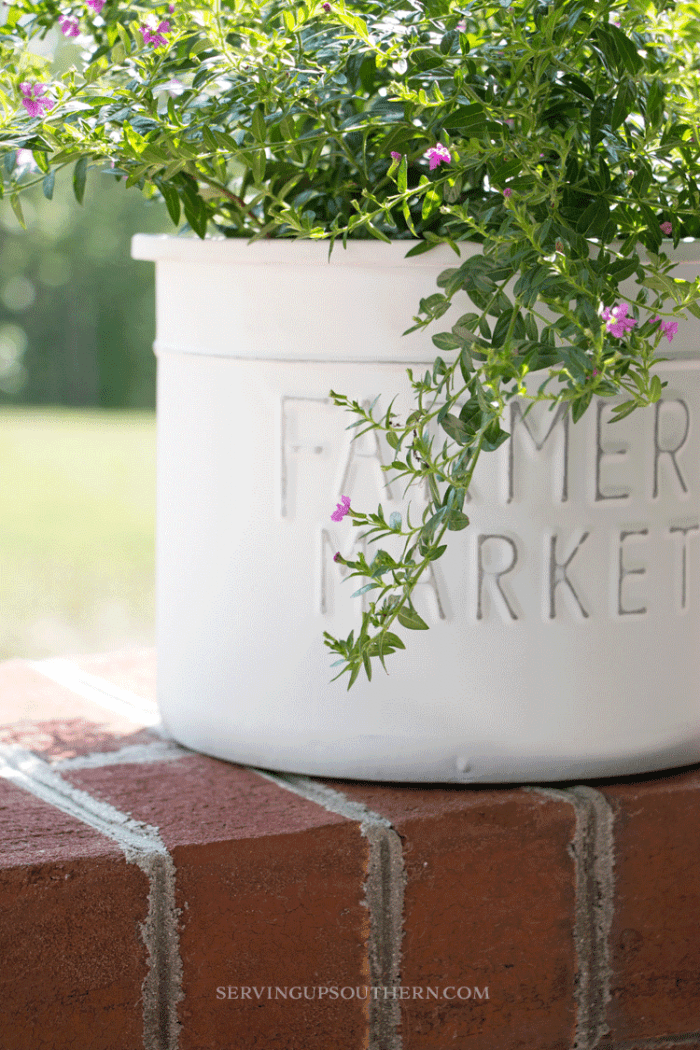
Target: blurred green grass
77 518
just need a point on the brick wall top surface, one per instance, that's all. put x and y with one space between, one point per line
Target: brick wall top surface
199 800
34 834
27 696
177 894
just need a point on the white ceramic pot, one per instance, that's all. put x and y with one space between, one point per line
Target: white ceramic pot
564 621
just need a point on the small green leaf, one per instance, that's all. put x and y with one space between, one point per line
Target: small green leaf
580 404
623 410
456 520
172 200
363 590
408 617
402 175
124 37
447 341
258 124
431 202
196 214
47 185
17 209
79 179
437 553
593 218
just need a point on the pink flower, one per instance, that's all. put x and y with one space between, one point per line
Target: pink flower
96 5
69 26
32 100
507 192
617 320
326 7
153 33
438 155
396 156
668 328
337 556
341 509
171 8
667 228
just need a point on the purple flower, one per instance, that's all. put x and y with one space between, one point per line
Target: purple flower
153 33
171 8
32 100
396 156
667 228
69 26
96 5
438 155
507 192
617 320
668 328
337 557
326 7
341 509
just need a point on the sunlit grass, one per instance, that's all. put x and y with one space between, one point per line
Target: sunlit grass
77 514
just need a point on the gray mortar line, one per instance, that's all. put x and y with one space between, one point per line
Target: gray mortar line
143 846
99 691
592 851
158 751
384 898
661 1043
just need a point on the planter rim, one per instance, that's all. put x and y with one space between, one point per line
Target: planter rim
273 252
159 247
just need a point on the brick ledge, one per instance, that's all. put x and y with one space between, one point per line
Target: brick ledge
154 898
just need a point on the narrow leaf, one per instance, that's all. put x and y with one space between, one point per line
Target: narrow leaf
79 179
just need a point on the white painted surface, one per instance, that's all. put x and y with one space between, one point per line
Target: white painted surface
535 674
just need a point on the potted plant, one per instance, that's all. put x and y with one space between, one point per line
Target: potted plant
514 185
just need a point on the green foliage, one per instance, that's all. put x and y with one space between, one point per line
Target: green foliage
76 313
572 129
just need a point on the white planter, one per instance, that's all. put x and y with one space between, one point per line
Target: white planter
529 672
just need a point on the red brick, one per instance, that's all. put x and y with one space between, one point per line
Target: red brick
72 958
270 888
54 722
655 948
489 902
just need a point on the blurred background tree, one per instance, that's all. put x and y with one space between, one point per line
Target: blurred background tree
76 313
